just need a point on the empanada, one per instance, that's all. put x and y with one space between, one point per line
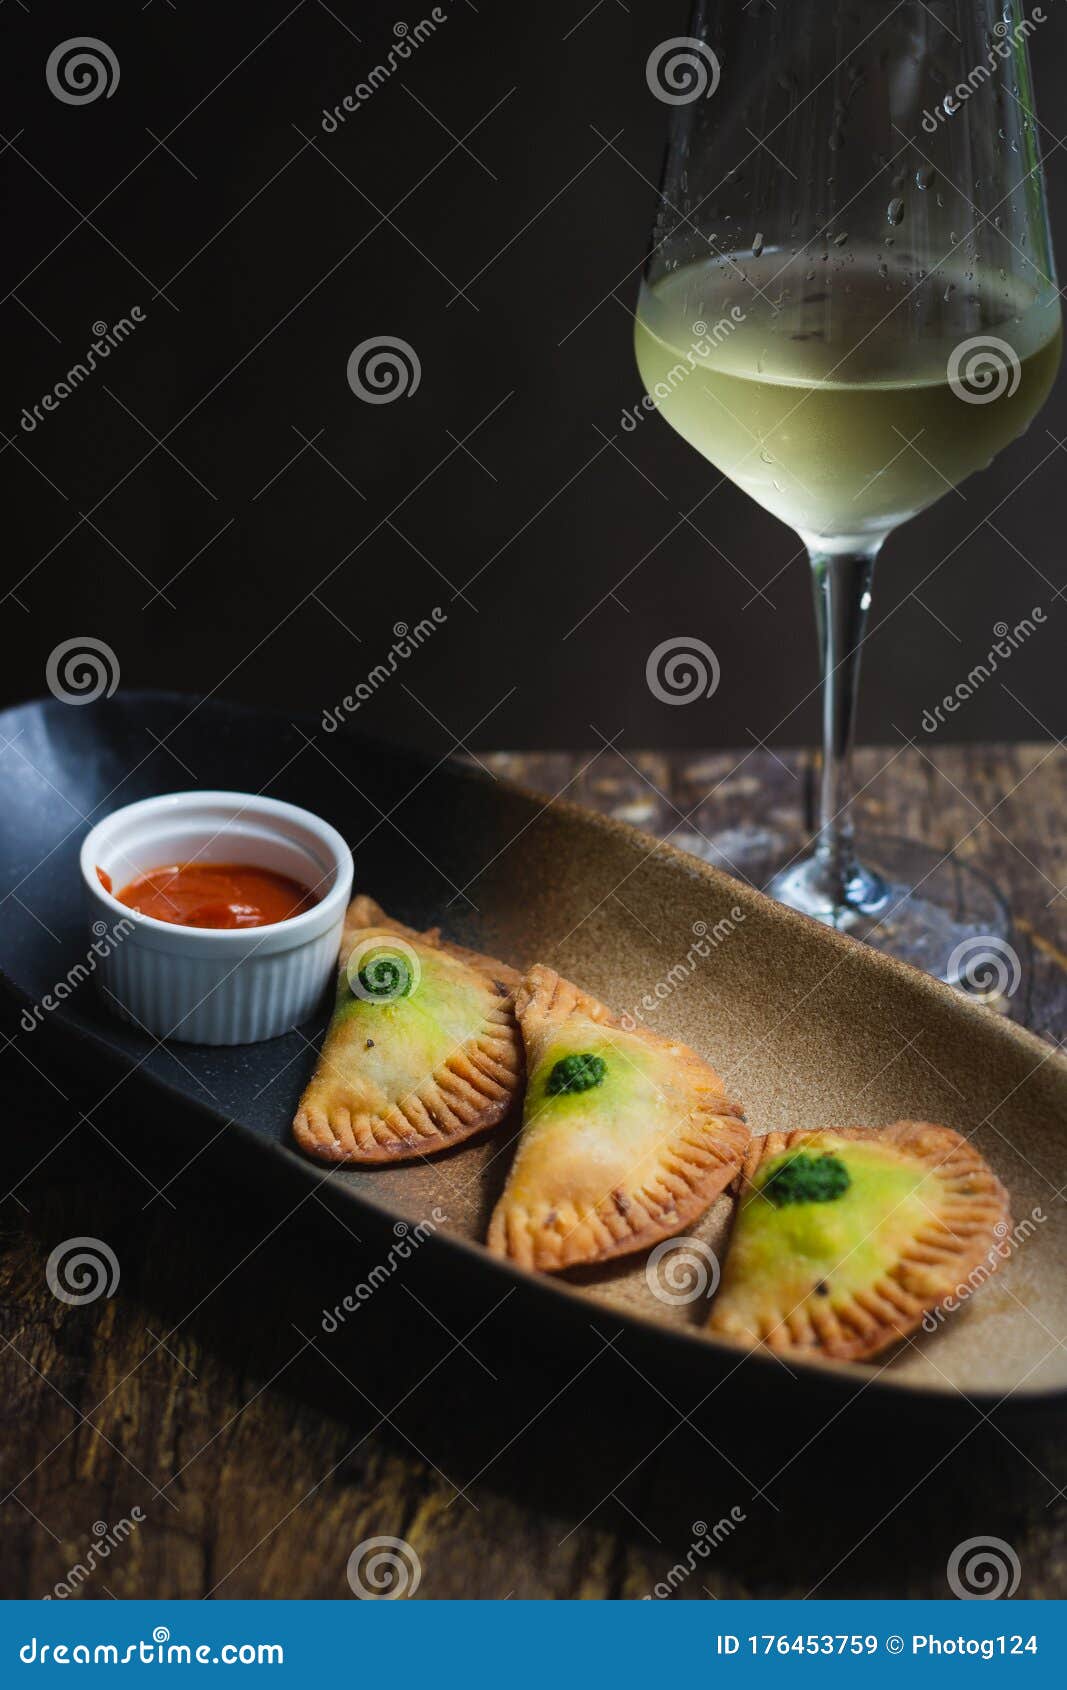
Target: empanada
627 1137
844 1238
422 1049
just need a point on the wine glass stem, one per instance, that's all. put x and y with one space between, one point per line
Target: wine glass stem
842 587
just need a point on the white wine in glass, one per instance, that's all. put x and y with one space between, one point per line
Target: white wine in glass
812 410
848 308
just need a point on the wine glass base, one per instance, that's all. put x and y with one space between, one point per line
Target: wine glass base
921 906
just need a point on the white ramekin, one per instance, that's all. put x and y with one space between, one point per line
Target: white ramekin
205 985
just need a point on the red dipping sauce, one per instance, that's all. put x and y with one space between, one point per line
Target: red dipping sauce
215 895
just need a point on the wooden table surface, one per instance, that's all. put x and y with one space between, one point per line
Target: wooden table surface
194 1428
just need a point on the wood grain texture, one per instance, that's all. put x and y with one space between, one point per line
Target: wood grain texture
261 1447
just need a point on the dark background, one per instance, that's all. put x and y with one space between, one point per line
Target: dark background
490 205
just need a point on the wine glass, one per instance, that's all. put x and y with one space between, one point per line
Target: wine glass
849 306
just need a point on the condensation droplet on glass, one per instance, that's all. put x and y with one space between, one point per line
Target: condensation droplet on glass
895 211
949 291
839 240
757 244
924 176
766 456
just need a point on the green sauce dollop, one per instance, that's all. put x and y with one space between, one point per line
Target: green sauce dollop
576 1073
807 1179
385 977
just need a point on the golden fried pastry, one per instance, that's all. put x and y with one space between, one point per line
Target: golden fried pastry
844 1238
422 1050
626 1137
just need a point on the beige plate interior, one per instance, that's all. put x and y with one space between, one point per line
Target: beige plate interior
808 1028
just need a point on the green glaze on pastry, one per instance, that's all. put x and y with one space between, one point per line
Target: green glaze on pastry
573 1079
404 1038
844 1239
785 1255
